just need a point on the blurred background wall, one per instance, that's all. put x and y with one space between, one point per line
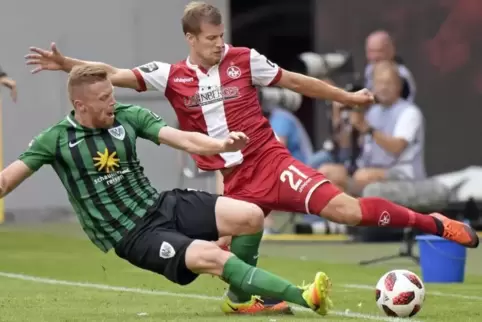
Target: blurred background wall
124 33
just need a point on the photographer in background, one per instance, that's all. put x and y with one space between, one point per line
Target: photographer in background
9 83
341 147
392 134
379 46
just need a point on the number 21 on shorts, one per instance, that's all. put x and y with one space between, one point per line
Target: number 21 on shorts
294 177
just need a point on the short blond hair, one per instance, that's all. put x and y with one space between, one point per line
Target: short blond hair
85 75
197 12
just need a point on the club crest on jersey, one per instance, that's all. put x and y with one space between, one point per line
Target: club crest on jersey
166 251
118 132
233 72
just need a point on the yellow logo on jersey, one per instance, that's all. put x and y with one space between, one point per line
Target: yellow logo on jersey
106 161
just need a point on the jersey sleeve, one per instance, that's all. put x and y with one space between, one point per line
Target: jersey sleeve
408 124
41 150
263 71
146 123
152 76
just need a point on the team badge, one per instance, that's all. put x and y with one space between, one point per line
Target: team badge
166 251
118 132
233 72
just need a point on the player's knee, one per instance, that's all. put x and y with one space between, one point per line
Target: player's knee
203 257
252 220
343 209
236 217
255 220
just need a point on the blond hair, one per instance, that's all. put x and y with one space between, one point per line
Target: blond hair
197 12
85 75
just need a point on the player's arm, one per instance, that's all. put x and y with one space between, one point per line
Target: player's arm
55 60
39 152
313 87
266 73
12 176
152 127
198 143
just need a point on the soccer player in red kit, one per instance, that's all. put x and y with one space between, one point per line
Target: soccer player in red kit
213 91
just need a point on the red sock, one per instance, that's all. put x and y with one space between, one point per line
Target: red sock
381 212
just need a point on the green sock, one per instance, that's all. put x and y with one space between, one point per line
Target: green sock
252 280
245 248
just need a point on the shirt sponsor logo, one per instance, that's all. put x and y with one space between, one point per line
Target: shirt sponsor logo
218 94
183 79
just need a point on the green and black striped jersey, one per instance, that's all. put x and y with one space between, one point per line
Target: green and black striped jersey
100 170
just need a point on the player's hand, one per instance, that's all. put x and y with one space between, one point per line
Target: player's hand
235 142
45 59
361 98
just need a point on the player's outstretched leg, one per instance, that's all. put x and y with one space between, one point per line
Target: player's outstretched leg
206 257
373 211
242 219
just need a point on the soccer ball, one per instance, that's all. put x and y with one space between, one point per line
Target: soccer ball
400 293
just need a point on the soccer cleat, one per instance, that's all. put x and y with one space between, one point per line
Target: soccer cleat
457 231
316 294
273 306
255 305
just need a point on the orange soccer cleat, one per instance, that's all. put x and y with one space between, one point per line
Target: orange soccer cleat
457 231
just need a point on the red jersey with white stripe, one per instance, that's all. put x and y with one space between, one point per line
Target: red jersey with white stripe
217 101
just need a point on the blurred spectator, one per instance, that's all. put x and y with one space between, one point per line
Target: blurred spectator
392 136
290 132
379 46
337 148
10 83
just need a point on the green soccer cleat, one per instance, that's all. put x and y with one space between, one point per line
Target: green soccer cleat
316 294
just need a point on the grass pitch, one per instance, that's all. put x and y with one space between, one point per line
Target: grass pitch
52 273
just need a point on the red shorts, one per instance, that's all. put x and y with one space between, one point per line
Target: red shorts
274 180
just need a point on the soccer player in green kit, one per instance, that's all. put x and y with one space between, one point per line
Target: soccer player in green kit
93 151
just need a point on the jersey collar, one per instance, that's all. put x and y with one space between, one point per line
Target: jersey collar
71 119
195 67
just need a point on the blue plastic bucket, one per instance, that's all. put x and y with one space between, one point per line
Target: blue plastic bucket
441 260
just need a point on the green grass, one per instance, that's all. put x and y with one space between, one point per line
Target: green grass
61 253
